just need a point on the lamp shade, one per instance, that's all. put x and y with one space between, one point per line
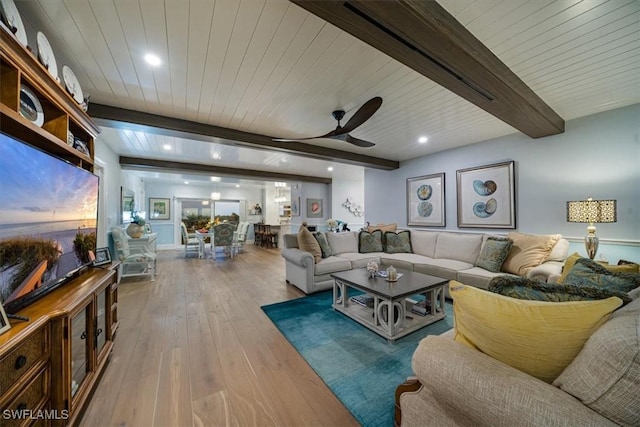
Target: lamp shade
591 211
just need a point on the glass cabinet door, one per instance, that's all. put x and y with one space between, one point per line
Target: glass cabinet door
80 343
101 320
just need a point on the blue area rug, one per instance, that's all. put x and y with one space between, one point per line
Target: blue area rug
358 365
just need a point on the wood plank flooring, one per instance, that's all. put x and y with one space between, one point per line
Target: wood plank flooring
195 349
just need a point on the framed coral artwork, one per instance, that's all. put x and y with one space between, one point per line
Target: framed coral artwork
486 196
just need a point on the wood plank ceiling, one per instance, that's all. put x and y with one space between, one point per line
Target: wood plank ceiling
270 67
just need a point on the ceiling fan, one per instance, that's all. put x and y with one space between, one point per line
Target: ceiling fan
341 133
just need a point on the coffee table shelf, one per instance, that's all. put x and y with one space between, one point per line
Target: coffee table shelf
389 298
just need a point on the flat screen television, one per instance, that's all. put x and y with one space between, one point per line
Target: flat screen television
48 220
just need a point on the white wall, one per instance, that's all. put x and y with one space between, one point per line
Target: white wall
597 156
110 186
352 187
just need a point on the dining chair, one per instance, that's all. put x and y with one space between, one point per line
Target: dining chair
189 240
135 261
240 236
223 237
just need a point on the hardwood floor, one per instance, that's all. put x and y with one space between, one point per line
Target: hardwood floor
195 349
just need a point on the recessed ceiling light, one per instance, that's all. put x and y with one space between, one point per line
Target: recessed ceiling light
166 147
330 168
216 156
215 179
152 59
186 182
423 139
237 185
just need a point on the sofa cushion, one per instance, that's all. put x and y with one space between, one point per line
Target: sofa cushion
537 337
478 277
370 242
524 288
308 243
324 245
331 265
586 273
445 268
399 242
559 251
343 242
493 253
458 246
574 257
528 251
424 242
605 375
359 260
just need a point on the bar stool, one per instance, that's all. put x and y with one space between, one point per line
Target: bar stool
269 238
258 231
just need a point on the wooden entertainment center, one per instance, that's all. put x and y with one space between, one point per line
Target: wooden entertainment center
50 364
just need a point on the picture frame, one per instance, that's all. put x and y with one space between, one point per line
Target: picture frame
486 196
295 206
314 208
147 228
4 320
103 256
159 208
425 200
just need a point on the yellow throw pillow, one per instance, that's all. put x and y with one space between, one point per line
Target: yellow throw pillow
308 243
537 337
571 261
528 251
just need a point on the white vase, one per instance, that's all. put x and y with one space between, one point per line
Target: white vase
135 230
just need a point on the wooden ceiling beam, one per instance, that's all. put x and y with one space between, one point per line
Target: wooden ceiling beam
426 38
137 163
121 118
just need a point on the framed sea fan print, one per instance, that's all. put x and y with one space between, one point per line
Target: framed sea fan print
425 200
486 196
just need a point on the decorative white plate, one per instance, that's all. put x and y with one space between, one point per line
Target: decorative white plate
72 84
30 107
46 56
13 20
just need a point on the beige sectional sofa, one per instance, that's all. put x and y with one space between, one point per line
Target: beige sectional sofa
450 255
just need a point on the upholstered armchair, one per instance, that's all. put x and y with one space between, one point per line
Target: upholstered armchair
189 240
135 261
223 237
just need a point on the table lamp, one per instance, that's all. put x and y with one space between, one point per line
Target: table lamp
591 211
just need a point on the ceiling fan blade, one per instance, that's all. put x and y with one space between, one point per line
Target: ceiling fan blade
362 115
359 142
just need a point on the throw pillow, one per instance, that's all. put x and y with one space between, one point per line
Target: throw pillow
524 288
571 261
396 243
324 245
528 251
308 243
382 227
493 253
537 337
586 273
370 242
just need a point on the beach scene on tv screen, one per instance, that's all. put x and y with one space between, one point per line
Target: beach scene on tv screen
48 218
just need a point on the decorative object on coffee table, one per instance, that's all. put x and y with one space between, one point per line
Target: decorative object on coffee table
425 200
486 196
592 212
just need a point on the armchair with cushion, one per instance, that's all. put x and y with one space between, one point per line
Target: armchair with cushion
223 237
135 261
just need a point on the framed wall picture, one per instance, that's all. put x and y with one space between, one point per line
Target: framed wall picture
486 196
103 256
425 200
4 321
147 228
159 208
314 208
295 206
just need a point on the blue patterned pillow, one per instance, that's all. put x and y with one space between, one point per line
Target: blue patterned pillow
493 253
587 273
527 289
370 242
324 245
396 243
